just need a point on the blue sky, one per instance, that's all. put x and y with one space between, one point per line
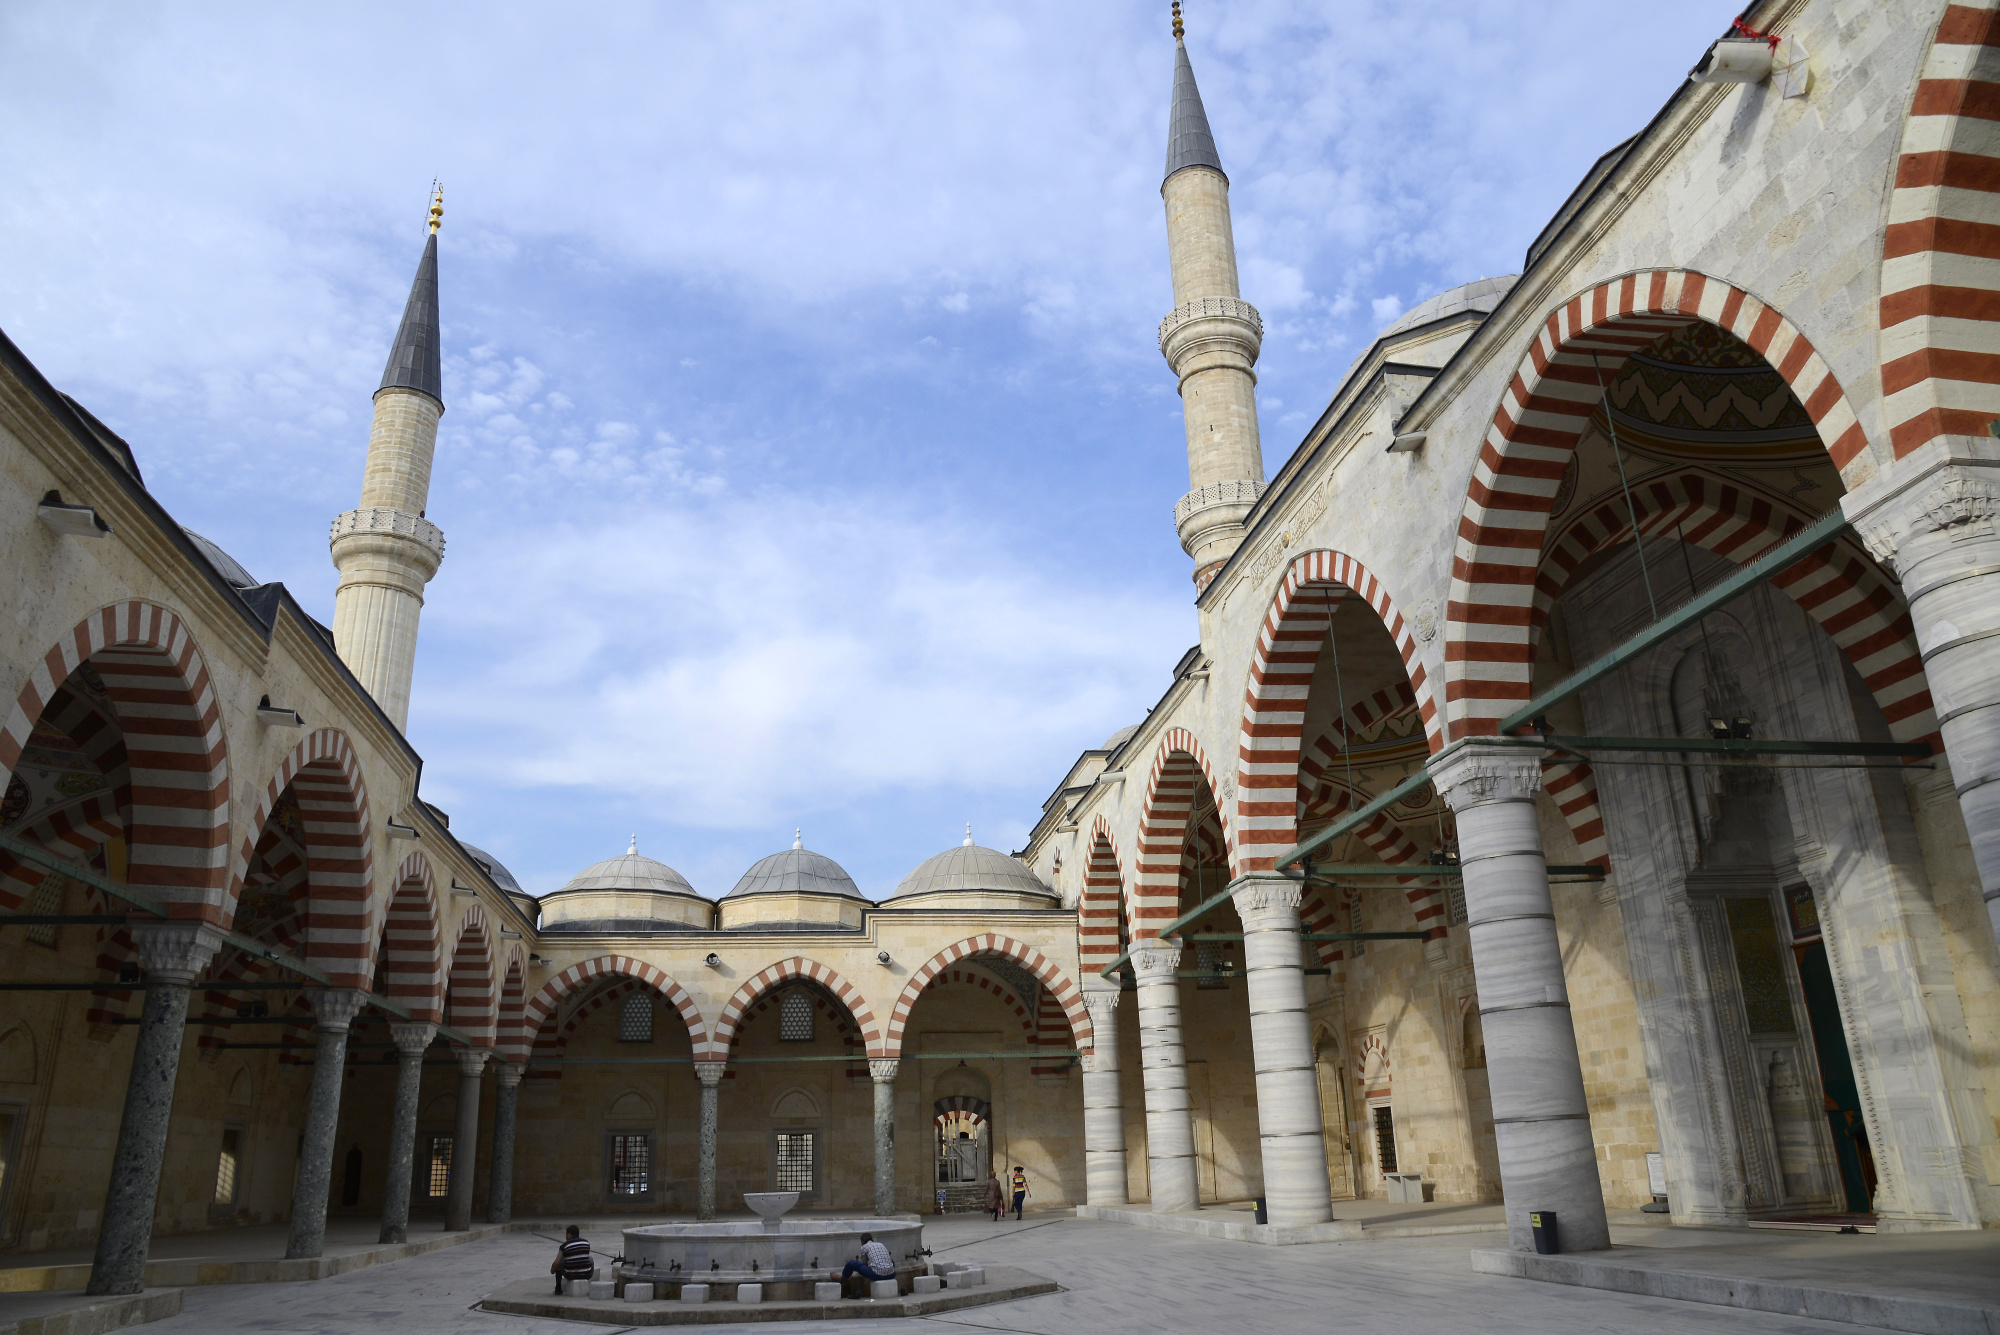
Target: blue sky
808 456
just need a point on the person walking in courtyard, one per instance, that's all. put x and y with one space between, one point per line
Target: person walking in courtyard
996 1197
572 1259
874 1263
1020 1189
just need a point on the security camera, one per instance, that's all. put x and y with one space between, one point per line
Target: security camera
881 957
714 961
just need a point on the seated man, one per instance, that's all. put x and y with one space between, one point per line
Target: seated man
875 1263
572 1259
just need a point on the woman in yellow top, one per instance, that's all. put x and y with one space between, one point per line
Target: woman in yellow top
1020 1189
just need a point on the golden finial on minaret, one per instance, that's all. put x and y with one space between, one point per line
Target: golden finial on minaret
437 206
1177 20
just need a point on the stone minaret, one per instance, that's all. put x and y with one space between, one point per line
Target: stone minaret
1212 337
385 550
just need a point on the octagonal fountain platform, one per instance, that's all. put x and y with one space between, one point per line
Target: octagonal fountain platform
786 1256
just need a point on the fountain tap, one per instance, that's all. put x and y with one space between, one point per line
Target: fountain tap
715 1265
753 1267
815 1264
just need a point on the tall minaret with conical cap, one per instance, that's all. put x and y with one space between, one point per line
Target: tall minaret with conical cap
1211 338
385 550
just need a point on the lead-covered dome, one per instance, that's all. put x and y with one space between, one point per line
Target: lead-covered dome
630 893
971 876
796 871
796 890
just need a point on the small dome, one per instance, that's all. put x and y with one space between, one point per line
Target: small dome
631 871
796 871
971 868
1119 738
1480 295
225 565
501 876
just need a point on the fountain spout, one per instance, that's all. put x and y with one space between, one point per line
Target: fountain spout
771 1205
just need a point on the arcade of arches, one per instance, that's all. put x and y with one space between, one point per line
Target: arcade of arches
1397 891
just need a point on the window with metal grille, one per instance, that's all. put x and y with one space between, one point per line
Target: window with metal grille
1385 1139
631 1156
795 1021
1354 925
1211 957
228 1167
47 901
635 1018
10 1126
437 1182
1454 901
796 1151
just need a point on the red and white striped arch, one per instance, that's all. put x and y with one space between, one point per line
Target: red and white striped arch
1391 702
471 1001
588 976
325 778
1940 308
511 1033
1274 703
410 963
990 943
1100 910
177 832
1490 619
723 1034
1180 768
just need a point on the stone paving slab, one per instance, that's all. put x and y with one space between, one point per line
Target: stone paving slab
532 1298
1355 1221
76 1313
190 1271
1931 1283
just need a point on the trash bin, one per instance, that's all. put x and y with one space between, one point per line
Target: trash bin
1543 1222
1261 1216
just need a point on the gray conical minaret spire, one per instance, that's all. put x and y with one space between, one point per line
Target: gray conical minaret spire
1189 141
415 360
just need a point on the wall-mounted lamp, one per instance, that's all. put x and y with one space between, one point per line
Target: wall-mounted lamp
401 831
882 958
535 959
277 716
714 961
72 521
1407 443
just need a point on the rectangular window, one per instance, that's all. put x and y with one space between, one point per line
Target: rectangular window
1454 898
795 1021
1385 1139
1211 957
46 902
635 1018
795 1154
437 1181
228 1167
11 1116
631 1155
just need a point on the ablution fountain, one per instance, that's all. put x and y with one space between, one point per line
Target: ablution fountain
786 1256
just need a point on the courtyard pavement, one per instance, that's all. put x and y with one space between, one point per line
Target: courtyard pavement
1116 1280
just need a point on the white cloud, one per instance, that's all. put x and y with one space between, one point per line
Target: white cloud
1386 309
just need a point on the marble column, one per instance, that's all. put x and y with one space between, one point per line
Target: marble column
500 1176
710 1075
1540 1119
884 1073
334 1011
412 1040
1103 1102
1169 1123
1291 1135
1930 517
172 954
465 1139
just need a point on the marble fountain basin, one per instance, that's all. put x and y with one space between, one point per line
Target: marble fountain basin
786 1255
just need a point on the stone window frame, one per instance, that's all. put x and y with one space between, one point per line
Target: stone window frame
818 1158
1376 1107
652 1193
240 1128
11 1146
628 1010
421 1175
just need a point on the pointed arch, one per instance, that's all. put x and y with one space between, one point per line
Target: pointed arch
723 1034
177 834
1941 250
410 963
1178 766
470 999
588 975
1058 986
1274 701
1100 910
511 1034
1490 618
325 780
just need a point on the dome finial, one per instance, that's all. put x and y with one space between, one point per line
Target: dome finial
437 195
968 836
1177 20
635 846
799 837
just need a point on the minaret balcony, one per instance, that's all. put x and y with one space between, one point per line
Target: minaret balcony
382 521
1210 331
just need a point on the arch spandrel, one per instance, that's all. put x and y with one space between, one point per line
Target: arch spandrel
723 1033
583 977
1059 986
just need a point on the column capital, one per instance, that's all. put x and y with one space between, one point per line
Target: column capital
334 1010
412 1036
883 1071
1101 1004
509 1074
471 1061
1478 773
176 951
1155 957
1267 901
710 1073
1948 490
1089 1062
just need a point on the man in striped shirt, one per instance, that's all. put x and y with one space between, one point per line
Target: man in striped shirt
572 1259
